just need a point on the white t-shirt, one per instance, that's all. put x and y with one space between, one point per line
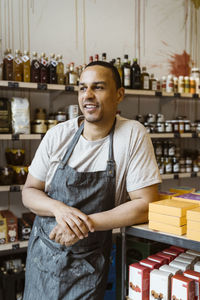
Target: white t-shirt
136 166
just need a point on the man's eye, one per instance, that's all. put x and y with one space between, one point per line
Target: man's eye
82 88
99 87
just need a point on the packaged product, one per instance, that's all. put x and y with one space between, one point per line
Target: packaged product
169 257
193 224
172 251
197 267
138 282
160 285
12 226
166 219
189 197
193 252
180 249
149 263
3 230
196 276
182 288
160 260
182 190
178 230
180 265
166 195
20 113
185 260
170 269
24 229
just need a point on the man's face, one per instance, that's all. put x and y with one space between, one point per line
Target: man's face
98 96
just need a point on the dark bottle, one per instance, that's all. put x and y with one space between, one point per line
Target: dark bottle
135 75
126 73
8 65
43 68
35 68
52 69
104 57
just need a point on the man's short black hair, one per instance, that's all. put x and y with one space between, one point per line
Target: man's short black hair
114 70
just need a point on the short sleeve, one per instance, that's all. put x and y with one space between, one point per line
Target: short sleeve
41 162
142 167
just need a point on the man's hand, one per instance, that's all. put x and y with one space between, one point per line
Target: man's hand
63 237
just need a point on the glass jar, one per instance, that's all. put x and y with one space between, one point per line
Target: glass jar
160 127
188 168
187 127
60 116
175 125
168 126
15 156
39 126
6 176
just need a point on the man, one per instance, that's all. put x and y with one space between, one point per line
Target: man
77 186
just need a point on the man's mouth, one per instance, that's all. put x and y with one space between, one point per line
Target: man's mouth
91 107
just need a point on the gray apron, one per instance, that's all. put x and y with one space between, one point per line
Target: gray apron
78 272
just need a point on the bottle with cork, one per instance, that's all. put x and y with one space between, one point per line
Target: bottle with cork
144 79
17 67
35 68
60 70
26 67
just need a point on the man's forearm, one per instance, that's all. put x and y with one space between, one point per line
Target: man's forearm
129 213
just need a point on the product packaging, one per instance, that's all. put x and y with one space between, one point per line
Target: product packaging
167 219
166 195
180 249
197 267
170 269
160 285
196 276
182 190
160 260
138 282
169 257
149 263
3 230
189 197
20 112
193 224
12 227
178 230
182 288
180 265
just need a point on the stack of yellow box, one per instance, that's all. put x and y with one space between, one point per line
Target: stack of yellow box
182 190
193 224
169 215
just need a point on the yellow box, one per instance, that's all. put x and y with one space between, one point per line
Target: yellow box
193 235
182 190
189 197
194 214
192 225
167 195
3 230
168 228
175 221
171 207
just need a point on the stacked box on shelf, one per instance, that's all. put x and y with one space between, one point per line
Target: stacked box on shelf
188 197
182 190
193 221
169 216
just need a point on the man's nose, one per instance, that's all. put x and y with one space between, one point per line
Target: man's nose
89 93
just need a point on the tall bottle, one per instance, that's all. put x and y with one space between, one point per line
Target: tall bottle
73 76
96 57
144 79
126 73
35 68
43 68
8 65
17 67
104 57
118 66
52 69
60 71
135 75
26 67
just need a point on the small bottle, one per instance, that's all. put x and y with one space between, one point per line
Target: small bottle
67 74
192 85
8 65
60 70
164 83
126 73
153 83
196 74
176 165
35 68
103 57
43 68
17 67
96 57
72 75
175 84
135 75
170 84
90 59
26 67
144 79
118 66
187 84
158 87
52 69
181 84
168 165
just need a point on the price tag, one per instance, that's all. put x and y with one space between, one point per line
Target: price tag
15 246
176 176
193 174
12 84
177 95
14 188
158 94
177 135
42 86
69 88
15 137
195 96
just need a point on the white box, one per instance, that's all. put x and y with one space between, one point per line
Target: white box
182 288
160 285
138 282
193 252
180 265
196 276
173 270
197 267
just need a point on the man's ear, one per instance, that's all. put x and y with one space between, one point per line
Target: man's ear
120 94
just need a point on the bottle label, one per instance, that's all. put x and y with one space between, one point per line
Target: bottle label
127 77
72 78
18 61
54 63
146 83
36 65
154 85
25 58
168 168
43 62
176 168
9 57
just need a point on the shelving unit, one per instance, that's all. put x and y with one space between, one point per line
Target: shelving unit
18 246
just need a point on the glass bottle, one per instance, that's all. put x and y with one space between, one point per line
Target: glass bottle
60 71
17 67
118 66
126 73
35 68
135 75
96 57
72 75
187 84
152 83
26 67
67 74
90 59
103 57
144 79
43 68
8 65
52 69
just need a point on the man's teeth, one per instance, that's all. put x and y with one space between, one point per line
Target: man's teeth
90 106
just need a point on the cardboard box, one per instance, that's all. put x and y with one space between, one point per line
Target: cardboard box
180 249
180 265
193 225
197 267
182 288
194 214
171 207
182 190
138 282
165 255
168 228
189 198
172 251
166 195
170 269
187 260
193 235
12 226
3 230
150 263
196 276
159 259
175 221
191 256
160 285
193 252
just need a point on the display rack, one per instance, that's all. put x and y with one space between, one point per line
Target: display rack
143 231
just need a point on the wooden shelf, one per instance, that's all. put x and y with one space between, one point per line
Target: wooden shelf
179 175
14 246
11 188
31 136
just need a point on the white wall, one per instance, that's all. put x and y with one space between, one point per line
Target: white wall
152 30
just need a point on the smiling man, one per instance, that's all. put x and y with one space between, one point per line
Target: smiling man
77 186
